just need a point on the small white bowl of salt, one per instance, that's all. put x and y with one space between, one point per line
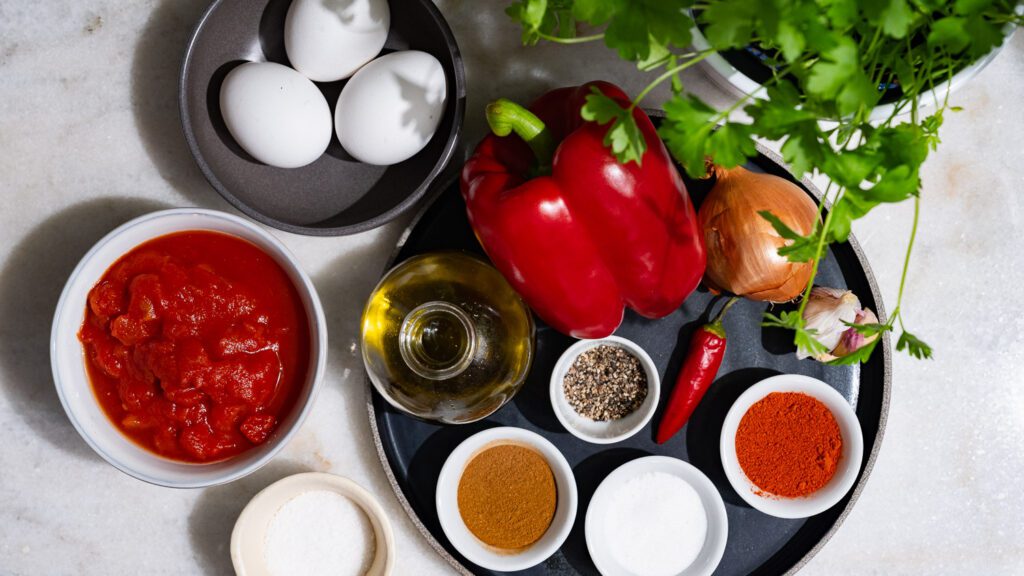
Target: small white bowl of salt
311 524
658 516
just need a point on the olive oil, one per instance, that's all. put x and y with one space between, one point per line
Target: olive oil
446 338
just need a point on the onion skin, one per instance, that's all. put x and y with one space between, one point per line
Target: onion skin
742 247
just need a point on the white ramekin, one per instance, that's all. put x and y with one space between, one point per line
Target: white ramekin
455 529
718 521
608 431
249 535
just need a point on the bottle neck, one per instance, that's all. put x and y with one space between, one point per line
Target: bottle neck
437 340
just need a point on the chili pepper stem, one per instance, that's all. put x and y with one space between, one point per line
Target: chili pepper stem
715 326
505 117
721 313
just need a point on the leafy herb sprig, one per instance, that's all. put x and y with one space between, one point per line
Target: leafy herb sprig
830 60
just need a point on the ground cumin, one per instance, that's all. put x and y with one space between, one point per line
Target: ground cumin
507 496
789 444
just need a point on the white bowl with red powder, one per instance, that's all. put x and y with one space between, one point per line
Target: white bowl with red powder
776 453
73 381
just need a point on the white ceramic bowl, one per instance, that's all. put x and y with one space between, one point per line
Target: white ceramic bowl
609 431
718 522
68 360
448 503
249 535
846 471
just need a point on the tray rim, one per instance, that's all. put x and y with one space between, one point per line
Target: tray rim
872 455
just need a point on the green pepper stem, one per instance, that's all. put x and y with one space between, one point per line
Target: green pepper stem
505 116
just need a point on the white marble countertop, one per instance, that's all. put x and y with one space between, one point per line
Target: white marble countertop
89 137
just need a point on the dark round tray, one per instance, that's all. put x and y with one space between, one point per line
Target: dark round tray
413 451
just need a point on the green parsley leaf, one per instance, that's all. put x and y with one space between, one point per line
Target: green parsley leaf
731 145
791 40
858 95
685 130
839 65
896 18
624 136
657 57
802 337
950 33
627 34
914 346
871 329
534 16
777 116
842 13
803 151
595 11
730 23
862 354
648 26
896 185
667 20
850 168
985 35
902 145
969 7
904 71
798 248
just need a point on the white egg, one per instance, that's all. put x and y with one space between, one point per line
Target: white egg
328 40
276 114
391 107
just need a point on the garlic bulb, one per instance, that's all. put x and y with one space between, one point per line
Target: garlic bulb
853 340
828 312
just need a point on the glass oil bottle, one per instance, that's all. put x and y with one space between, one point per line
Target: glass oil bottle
445 338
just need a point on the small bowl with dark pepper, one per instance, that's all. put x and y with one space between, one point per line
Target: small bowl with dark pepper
604 391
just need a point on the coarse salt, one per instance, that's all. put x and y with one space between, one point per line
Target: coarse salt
656 525
319 532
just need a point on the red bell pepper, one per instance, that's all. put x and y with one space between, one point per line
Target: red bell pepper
578 234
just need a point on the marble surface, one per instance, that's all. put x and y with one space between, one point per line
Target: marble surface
90 137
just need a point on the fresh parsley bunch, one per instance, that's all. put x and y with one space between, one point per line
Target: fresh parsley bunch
830 60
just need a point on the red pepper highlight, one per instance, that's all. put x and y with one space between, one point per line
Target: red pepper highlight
703 359
579 235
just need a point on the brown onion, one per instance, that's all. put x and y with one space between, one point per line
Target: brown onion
742 246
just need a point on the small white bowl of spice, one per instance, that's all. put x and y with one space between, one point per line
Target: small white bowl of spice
313 524
506 499
656 515
605 390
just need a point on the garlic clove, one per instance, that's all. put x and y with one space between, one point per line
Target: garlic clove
851 340
827 311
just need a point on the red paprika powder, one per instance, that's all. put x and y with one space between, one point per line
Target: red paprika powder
789 444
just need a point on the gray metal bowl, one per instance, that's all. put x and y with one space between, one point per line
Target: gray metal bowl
335 195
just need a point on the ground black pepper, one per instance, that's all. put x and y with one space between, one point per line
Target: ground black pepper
605 383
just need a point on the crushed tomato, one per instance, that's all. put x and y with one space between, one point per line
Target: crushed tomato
196 344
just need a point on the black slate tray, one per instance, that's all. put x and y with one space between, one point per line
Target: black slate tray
413 451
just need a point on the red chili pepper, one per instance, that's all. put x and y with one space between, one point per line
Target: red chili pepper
707 348
577 234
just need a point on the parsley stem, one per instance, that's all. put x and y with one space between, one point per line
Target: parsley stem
668 74
575 40
818 253
906 259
